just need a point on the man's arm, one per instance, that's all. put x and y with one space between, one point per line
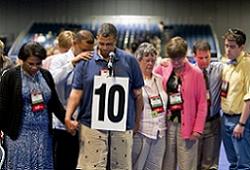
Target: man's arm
139 107
73 102
60 70
238 131
239 128
86 55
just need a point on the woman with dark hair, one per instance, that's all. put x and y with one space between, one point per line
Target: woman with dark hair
27 98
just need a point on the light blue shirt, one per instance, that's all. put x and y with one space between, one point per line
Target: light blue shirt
61 69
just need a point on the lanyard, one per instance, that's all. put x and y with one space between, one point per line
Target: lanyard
156 87
33 81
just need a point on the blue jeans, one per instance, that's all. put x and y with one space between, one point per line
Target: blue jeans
237 150
148 153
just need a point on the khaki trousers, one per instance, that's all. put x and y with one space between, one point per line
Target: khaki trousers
94 148
179 152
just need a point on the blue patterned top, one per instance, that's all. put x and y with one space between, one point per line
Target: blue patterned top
33 147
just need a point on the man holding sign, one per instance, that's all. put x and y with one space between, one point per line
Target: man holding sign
109 89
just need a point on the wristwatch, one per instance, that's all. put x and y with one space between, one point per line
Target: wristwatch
242 124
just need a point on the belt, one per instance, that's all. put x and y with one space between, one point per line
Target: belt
216 116
232 115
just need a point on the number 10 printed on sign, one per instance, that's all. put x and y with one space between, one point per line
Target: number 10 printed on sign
110 102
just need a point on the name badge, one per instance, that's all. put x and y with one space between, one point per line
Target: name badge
104 72
224 88
37 101
156 105
175 101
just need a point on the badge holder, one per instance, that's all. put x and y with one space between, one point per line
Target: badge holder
224 88
156 105
175 106
175 102
107 72
104 72
37 102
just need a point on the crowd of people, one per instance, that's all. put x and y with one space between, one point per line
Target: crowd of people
93 106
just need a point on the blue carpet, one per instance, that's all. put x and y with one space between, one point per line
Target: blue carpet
223 164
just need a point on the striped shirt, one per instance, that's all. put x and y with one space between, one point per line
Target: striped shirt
151 126
214 73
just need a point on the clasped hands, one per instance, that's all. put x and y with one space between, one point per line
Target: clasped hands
71 126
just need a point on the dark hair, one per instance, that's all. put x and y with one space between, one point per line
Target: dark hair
107 29
32 49
176 48
134 46
235 34
84 35
201 45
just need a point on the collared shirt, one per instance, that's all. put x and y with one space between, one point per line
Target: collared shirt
239 84
214 74
193 90
151 126
124 65
61 69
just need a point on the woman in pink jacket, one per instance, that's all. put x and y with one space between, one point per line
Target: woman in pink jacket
187 107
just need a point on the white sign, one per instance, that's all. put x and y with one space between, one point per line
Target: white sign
110 102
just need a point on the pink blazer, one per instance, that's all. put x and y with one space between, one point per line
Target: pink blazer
193 91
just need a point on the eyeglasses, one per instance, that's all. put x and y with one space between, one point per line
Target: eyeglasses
33 65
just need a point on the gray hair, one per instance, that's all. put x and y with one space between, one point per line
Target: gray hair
107 29
145 49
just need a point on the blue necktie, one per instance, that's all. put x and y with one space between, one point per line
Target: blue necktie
232 62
